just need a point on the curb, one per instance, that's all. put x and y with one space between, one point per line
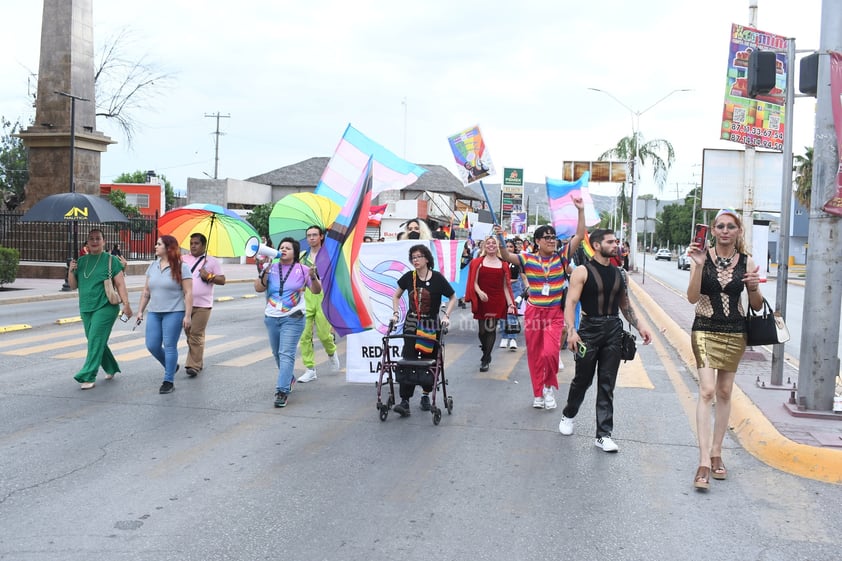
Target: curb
753 430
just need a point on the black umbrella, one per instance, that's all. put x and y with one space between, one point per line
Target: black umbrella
73 207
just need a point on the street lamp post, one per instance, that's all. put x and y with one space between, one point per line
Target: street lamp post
635 116
72 239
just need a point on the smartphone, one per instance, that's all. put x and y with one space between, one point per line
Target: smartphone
136 324
581 349
700 235
124 318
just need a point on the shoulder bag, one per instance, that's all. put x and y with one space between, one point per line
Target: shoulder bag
628 344
765 327
110 290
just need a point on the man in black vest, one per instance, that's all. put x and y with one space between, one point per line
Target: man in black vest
603 292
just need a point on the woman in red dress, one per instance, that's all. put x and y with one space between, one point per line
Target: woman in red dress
489 290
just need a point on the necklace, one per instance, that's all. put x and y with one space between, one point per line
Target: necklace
86 273
724 262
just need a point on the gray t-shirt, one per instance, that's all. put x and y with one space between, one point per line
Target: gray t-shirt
165 295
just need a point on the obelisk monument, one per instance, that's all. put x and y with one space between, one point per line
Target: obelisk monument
65 77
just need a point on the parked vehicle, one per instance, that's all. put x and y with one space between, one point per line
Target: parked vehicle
683 260
663 254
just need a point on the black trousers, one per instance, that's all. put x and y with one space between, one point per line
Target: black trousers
601 334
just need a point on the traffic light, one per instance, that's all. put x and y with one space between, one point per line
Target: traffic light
808 74
762 72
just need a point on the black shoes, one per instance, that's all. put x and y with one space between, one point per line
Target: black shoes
280 399
483 367
425 402
402 408
191 372
166 387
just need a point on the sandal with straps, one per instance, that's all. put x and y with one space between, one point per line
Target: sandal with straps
717 468
702 479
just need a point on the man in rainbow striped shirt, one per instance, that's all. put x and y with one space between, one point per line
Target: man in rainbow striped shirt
546 272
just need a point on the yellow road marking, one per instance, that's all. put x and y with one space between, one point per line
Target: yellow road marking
34 338
16 327
64 321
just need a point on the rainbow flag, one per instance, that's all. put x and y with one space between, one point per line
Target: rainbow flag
344 169
565 216
464 222
345 303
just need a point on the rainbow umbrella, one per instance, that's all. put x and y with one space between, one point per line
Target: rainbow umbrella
224 229
292 215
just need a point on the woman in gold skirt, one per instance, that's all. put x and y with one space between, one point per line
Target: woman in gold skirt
717 278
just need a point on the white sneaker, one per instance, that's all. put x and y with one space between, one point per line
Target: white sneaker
606 443
308 376
512 345
549 399
560 365
565 426
334 362
538 403
504 343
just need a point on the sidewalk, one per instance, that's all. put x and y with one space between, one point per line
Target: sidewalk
807 444
36 290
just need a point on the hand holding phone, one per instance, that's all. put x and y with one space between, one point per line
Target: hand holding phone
581 349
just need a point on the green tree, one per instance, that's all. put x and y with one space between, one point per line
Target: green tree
657 154
804 177
140 177
676 221
137 223
14 173
259 218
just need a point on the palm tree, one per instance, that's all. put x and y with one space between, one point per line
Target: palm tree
657 153
804 177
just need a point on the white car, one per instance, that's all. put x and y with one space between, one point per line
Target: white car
663 254
683 261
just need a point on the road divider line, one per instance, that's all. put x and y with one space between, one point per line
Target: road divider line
16 327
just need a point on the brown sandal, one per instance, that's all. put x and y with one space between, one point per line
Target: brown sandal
717 468
702 479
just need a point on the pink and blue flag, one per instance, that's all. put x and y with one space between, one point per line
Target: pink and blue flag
389 172
345 303
565 215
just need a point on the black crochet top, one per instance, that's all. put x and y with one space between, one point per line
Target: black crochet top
719 307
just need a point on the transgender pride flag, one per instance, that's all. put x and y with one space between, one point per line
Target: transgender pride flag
348 163
565 215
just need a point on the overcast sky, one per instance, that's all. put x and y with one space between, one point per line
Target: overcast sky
292 75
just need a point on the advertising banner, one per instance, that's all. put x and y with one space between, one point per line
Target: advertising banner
754 122
834 204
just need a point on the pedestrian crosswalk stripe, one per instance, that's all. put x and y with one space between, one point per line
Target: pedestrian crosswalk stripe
249 358
57 345
34 338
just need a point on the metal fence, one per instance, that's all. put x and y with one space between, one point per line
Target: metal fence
53 242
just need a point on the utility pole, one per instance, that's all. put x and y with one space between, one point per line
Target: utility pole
217 116
748 162
819 363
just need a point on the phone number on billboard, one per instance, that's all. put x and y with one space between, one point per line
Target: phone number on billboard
749 140
757 131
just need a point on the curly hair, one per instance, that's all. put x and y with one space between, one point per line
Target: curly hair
425 250
173 256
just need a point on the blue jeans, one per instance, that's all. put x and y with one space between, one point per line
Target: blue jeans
284 333
162 332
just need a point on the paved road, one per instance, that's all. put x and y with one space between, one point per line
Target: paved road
214 472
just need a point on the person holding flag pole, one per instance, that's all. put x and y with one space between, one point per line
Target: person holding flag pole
546 273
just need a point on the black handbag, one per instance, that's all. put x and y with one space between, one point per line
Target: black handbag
765 327
628 346
512 326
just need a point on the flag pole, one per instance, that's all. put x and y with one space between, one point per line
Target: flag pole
488 202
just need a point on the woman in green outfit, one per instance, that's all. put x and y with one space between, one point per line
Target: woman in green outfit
98 315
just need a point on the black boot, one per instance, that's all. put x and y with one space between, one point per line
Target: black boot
402 408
